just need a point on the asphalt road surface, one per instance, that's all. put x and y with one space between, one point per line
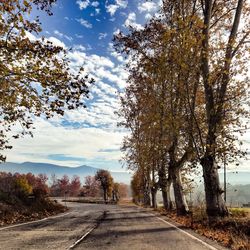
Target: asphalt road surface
97 226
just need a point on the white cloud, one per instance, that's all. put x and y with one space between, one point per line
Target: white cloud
57 42
51 139
79 47
148 16
61 35
85 23
102 36
83 4
112 51
89 131
147 7
131 21
112 8
122 3
78 36
97 11
95 4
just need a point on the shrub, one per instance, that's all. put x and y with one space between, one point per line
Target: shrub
22 187
237 212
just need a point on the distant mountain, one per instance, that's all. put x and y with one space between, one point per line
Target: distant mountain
59 171
236 178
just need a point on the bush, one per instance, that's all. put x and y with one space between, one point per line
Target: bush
238 212
22 188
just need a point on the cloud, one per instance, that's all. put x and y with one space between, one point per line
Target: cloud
97 11
61 35
112 8
148 7
112 51
85 23
131 21
95 4
102 36
84 133
78 36
51 139
56 42
83 4
79 47
122 3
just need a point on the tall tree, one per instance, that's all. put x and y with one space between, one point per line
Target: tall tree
218 74
35 78
156 104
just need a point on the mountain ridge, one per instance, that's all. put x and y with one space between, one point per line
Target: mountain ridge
59 170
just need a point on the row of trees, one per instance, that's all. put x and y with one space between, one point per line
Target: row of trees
22 186
111 190
16 188
186 95
100 185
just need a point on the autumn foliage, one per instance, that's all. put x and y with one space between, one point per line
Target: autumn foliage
186 98
36 79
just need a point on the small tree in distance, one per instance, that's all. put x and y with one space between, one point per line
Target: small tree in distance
92 186
106 181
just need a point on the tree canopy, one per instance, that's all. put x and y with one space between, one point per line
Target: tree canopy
35 76
187 81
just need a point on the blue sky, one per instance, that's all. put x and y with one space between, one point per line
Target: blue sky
89 136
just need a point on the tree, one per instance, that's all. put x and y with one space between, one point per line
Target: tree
22 187
106 182
137 188
123 190
39 185
35 78
64 185
75 186
116 192
156 106
54 186
187 81
92 187
219 76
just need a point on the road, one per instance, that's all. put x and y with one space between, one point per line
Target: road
97 226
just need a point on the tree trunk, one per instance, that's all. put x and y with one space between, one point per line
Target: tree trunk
215 205
105 195
146 196
153 194
166 196
180 199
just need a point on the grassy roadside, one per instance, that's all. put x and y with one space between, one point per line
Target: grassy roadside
232 232
18 213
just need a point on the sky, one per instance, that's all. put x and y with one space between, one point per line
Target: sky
88 136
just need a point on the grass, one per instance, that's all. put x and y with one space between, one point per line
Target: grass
239 212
